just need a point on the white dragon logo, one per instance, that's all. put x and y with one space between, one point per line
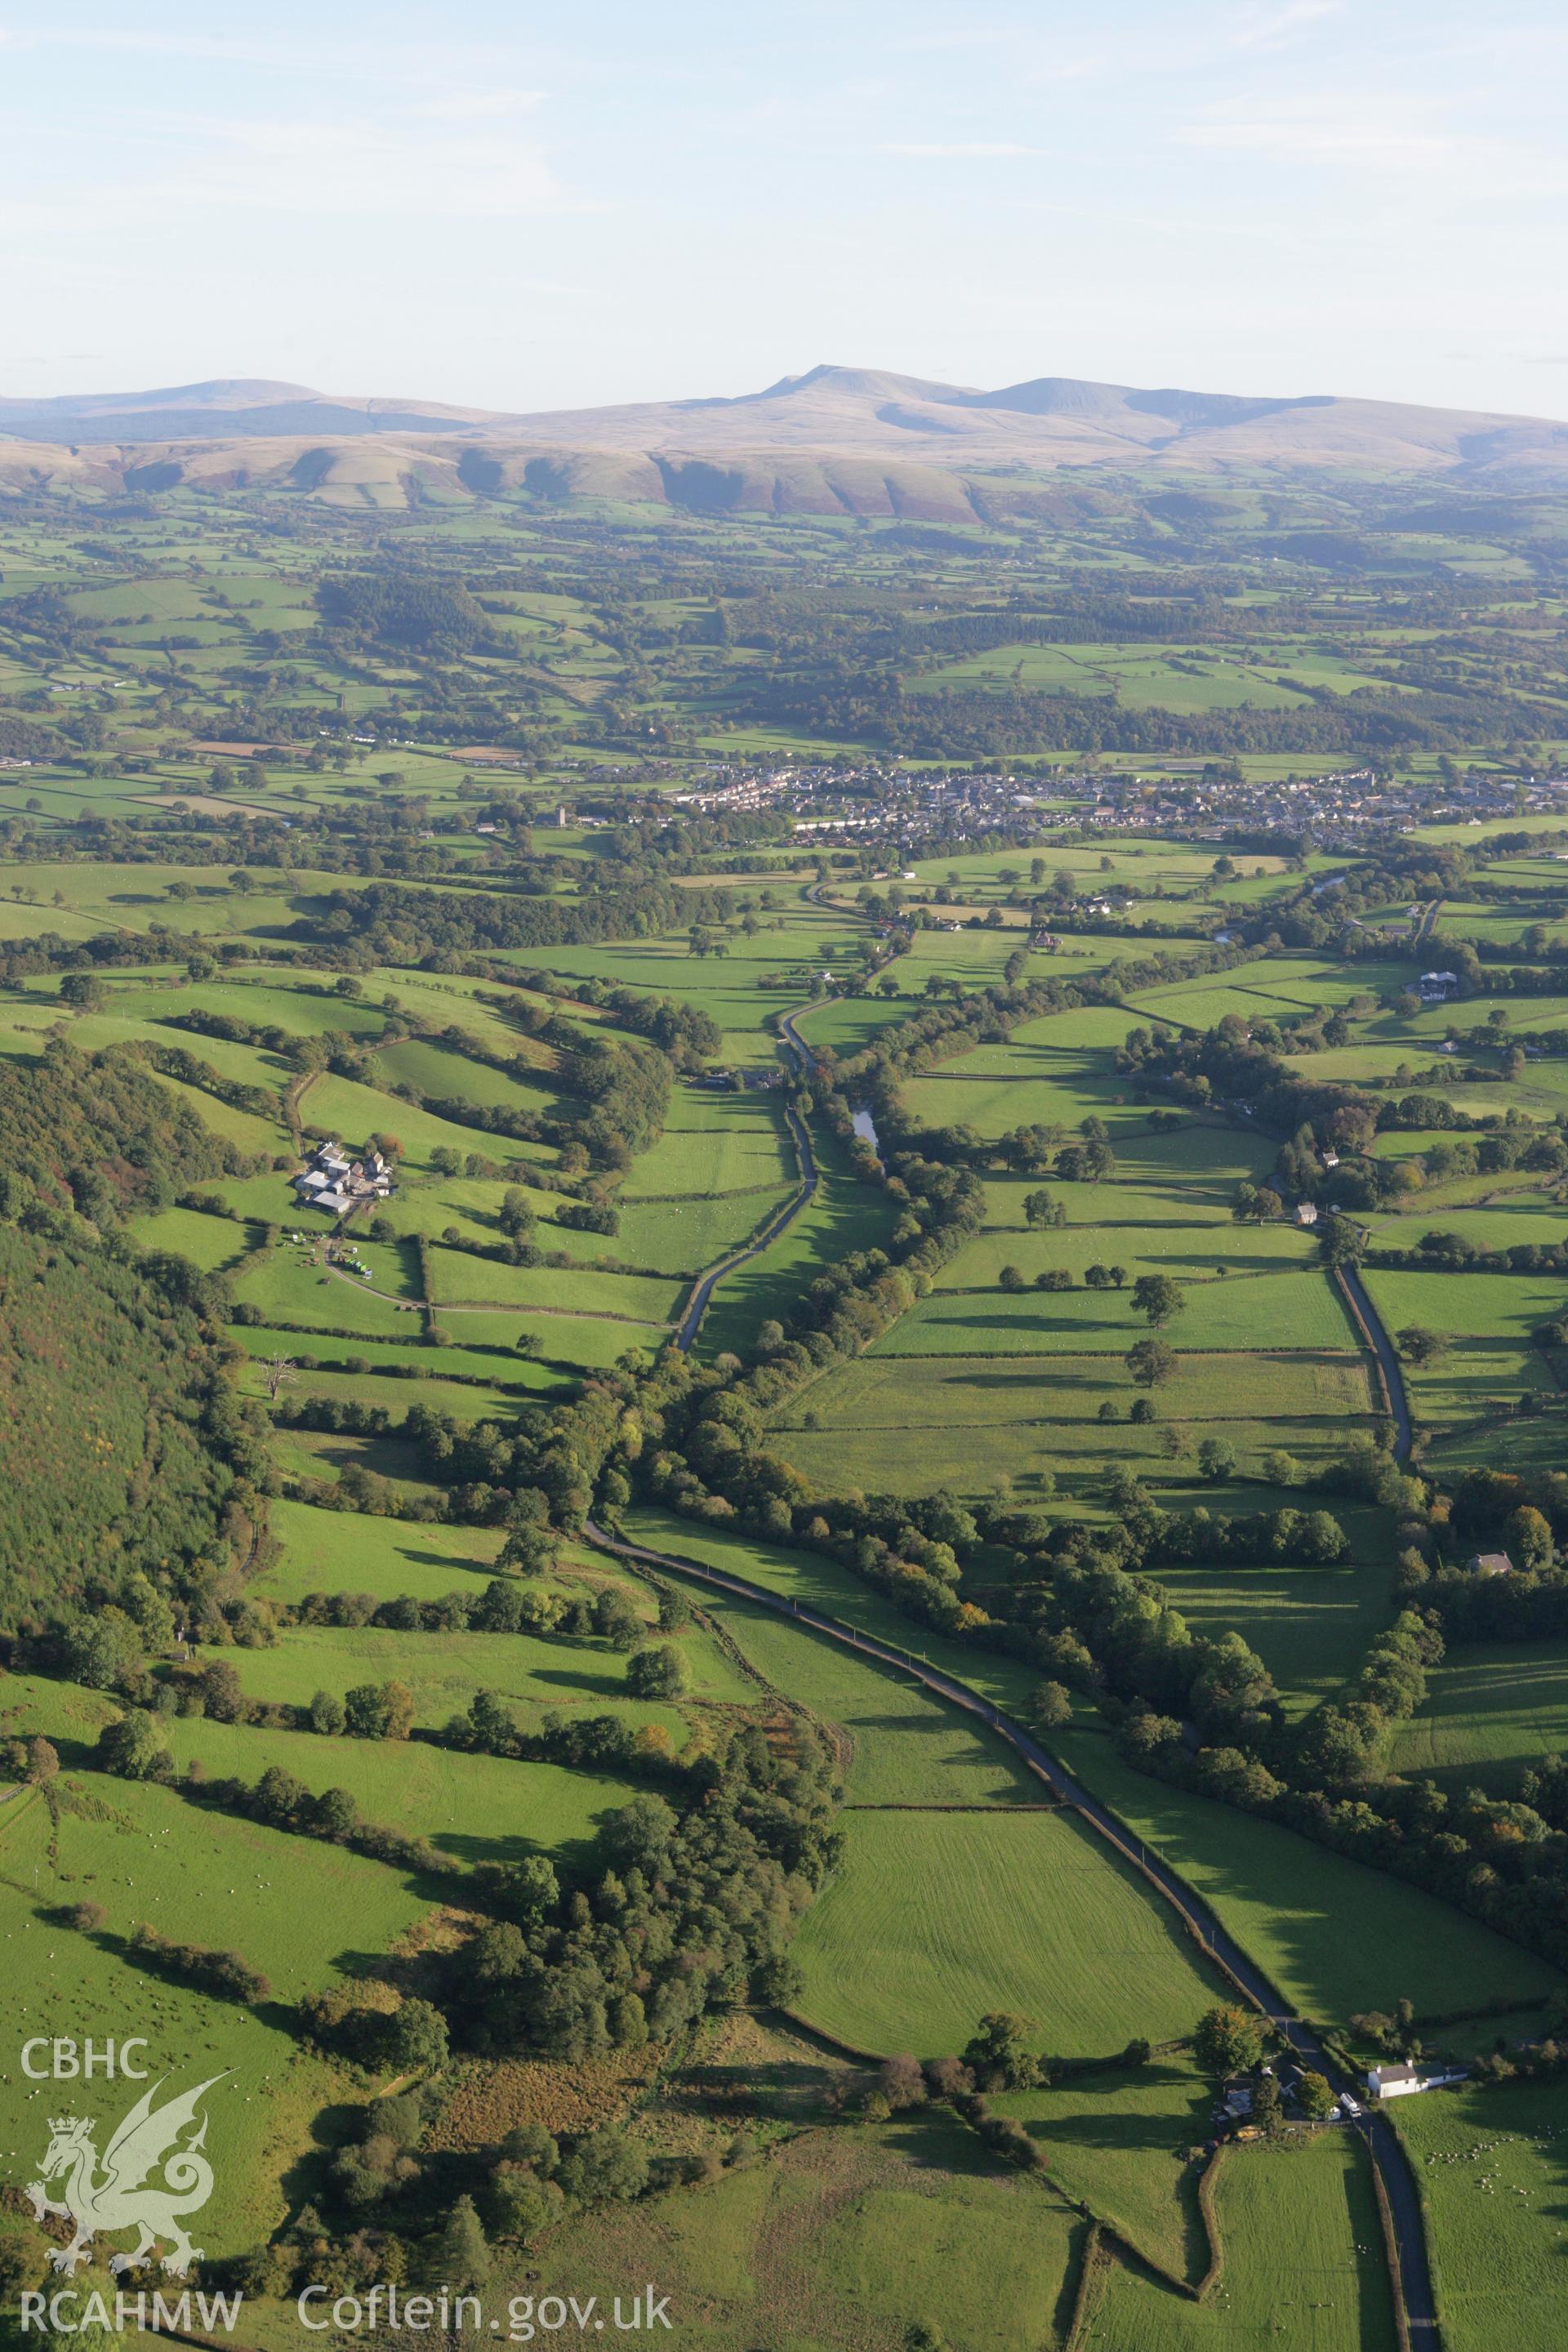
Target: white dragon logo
122 2196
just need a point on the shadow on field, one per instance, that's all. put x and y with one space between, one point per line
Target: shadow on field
581 1677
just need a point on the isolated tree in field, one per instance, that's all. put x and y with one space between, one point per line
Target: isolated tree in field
657 1672
1217 1459
1050 1706
1042 1209
1316 2096
276 1372
133 1747
1011 1278
1158 1296
1229 2040
1278 1468
1151 1361
1418 1345
1097 1278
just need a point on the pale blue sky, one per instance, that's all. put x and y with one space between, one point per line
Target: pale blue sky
525 206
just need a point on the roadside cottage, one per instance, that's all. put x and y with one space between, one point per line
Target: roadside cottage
1403 2080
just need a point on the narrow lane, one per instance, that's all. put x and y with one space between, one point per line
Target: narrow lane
1413 2282
1388 1355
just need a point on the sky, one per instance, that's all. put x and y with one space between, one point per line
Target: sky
525 207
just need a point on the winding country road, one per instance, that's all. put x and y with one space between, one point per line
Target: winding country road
1414 2281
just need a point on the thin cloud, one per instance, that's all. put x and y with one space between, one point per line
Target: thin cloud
366 169
478 105
1271 28
960 150
1319 135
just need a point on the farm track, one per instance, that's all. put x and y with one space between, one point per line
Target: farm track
1411 2279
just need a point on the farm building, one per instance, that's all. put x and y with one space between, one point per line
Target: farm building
1403 2080
1489 1563
1436 987
1306 1212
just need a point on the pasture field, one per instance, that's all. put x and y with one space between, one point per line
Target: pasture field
343 1551
692 1234
899 1745
970 1421
1201 1251
848 2232
1490 1363
407 1359
291 1287
147 1853
532 1673
1298 1309
1122 2141
479 1809
934 1918
458 1400
458 1279
1310 1626
484 1338
1492 2164
1304 2262
1285 1899
1491 1709
260 2118
713 1143
211 1242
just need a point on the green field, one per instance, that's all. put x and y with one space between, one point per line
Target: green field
1285 1899
857 2235
1490 2163
1122 2141
1491 1709
937 1917
1304 2264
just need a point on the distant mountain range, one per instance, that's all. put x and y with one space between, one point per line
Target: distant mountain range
837 439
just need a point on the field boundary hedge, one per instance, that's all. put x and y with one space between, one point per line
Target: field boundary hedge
1094 2271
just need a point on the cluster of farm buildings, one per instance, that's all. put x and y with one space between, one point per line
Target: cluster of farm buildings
336 1183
